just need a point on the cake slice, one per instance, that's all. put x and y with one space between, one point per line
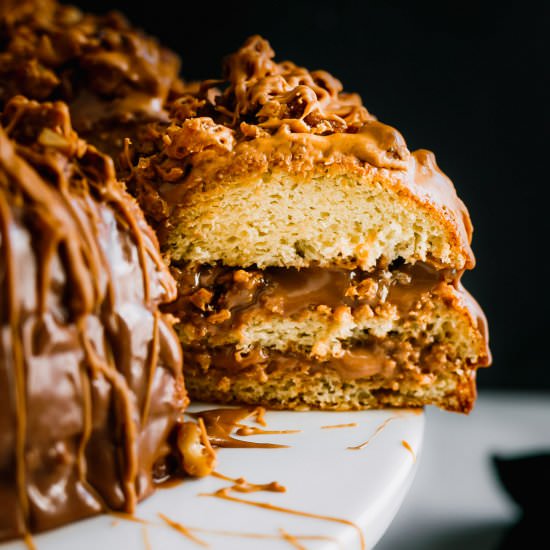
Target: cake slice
318 260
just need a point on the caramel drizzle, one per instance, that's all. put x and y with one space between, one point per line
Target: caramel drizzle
220 424
151 367
139 241
252 430
219 532
124 415
407 446
180 528
292 540
128 517
247 535
146 539
332 426
224 494
29 542
260 416
376 432
86 434
262 95
241 485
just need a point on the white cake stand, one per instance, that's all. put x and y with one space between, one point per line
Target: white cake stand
321 474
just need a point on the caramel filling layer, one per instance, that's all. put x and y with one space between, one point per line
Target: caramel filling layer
385 361
215 299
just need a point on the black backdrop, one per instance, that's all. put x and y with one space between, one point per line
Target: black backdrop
462 78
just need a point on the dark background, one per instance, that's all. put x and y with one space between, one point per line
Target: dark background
464 79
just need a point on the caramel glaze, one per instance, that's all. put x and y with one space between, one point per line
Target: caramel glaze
91 387
111 74
221 423
263 117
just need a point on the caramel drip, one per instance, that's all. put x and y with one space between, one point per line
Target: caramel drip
376 432
64 196
332 426
241 485
180 528
221 423
407 446
224 494
152 364
260 416
140 244
219 532
86 433
124 415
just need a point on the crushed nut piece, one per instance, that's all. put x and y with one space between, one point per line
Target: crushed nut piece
219 317
201 298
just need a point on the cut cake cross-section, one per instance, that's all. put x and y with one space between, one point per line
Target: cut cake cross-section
318 259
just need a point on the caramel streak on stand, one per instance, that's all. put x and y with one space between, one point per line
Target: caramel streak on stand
224 494
29 542
292 540
128 517
248 535
186 532
252 430
241 485
409 448
146 540
330 427
221 423
376 432
260 416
